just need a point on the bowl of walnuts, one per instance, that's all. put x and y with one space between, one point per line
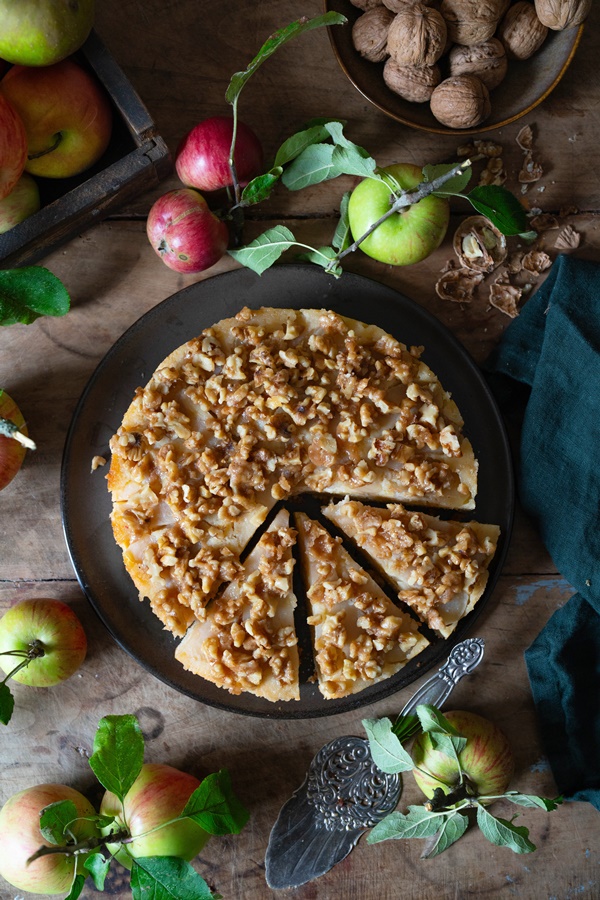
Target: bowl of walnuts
457 65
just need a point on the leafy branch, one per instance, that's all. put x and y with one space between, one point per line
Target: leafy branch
444 818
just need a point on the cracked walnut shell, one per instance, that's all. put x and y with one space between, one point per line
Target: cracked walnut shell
486 60
461 101
561 14
521 31
370 33
417 36
414 83
472 21
479 245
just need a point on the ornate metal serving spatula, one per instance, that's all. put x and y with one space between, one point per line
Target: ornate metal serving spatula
345 793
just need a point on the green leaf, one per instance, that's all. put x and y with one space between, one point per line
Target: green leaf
531 801
342 237
167 878
297 143
432 720
97 865
7 703
406 727
502 833
325 257
453 186
387 751
118 753
264 250
273 43
56 819
260 187
453 828
313 166
418 822
214 806
501 207
448 744
76 887
353 160
31 292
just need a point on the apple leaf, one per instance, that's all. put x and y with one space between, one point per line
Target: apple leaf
55 820
214 806
31 292
273 43
418 822
342 237
297 143
76 887
97 865
118 753
264 250
387 751
353 160
406 727
314 165
432 720
167 878
501 207
533 802
7 703
454 185
502 833
453 827
260 188
325 257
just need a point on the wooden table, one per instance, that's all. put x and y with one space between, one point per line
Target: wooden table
180 56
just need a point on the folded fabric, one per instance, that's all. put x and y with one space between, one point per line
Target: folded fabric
553 347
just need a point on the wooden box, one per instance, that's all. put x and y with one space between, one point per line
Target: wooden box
135 161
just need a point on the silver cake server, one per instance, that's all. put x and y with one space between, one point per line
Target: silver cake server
345 793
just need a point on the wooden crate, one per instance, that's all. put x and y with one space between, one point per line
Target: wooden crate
135 161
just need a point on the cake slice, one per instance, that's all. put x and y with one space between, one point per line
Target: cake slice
247 640
439 568
360 637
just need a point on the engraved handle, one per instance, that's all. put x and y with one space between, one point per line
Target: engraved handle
464 658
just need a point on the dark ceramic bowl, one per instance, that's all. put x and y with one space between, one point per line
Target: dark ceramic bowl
526 85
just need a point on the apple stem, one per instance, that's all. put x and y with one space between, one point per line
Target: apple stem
35 651
56 143
9 429
77 849
441 801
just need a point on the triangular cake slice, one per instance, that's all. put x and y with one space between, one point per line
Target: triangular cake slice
439 568
359 636
247 640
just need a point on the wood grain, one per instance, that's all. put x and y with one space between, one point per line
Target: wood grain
179 57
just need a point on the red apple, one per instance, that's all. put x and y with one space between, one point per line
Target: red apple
202 158
22 202
184 232
13 147
67 117
42 32
20 837
46 627
405 237
12 448
158 795
487 760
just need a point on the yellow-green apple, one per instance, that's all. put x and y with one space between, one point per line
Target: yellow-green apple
406 237
202 158
42 32
486 761
13 147
22 202
67 117
12 449
158 795
185 233
47 632
20 838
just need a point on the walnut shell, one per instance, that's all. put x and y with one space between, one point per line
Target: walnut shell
479 245
521 31
366 4
472 21
370 33
397 6
413 83
486 60
461 101
561 14
417 36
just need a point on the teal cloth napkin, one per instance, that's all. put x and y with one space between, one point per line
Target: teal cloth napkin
553 348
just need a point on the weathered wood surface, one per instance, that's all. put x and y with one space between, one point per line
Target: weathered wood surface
179 57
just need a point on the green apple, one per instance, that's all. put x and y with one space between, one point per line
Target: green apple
405 237
42 32
486 761
158 795
66 114
22 202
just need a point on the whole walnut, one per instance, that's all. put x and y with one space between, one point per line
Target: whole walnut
472 21
461 101
486 60
413 83
366 4
521 31
417 36
399 5
560 14
370 33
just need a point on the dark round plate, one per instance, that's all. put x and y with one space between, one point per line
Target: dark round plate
527 82
86 503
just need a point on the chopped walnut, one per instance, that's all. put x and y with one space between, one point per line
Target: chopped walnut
458 285
544 222
98 461
505 296
536 262
531 170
